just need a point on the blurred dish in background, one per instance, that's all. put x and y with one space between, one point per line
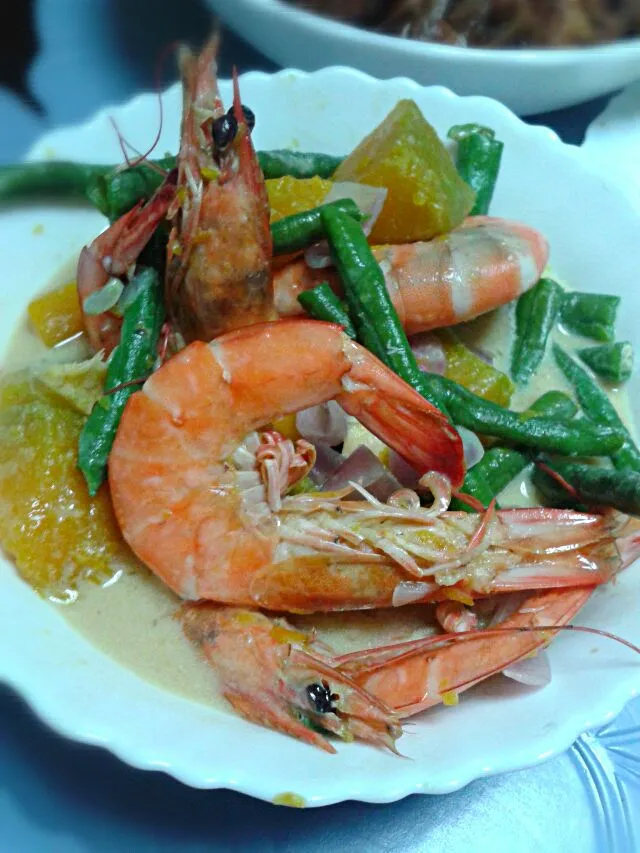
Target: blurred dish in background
491 23
528 80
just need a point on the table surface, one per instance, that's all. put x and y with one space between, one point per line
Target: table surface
56 795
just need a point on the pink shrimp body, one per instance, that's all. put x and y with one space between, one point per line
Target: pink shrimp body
201 497
417 675
185 466
485 263
219 252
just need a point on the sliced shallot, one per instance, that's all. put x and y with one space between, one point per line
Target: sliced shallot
429 353
370 200
534 671
473 447
323 424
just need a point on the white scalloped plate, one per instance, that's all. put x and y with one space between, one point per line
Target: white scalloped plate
497 727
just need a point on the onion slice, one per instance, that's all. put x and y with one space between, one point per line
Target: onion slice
429 353
473 447
370 200
533 671
409 592
323 424
365 469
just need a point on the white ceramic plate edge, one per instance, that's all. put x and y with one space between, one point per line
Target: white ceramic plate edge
70 719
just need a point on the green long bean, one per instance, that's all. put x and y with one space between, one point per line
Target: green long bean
590 314
613 362
295 232
500 465
478 162
322 303
536 314
597 406
579 438
376 321
114 190
595 486
131 360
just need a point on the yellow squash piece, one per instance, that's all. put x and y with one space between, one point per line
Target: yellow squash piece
426 196
56 315
53 530
294 195
470 371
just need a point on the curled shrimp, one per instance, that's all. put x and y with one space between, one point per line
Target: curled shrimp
189 482
199 484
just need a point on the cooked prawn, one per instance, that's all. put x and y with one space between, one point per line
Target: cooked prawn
190 486
281 677
201 496
485 263
278 676
219 252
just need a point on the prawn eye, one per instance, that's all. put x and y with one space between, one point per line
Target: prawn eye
224 131
321 698
249 117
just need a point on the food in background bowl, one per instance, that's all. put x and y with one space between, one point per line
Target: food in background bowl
491 23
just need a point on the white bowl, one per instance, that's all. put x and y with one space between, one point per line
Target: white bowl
498 727
528 81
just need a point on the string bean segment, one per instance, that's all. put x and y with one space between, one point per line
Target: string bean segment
579 438
295 232
478 162
323 304
297 164
500 465
114 189
132 359
594 485
613 362
590 314
536 314
597 406
377 324
553 404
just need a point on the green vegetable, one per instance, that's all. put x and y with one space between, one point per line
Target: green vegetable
47 179
117 190
497 468
590 314
594 485
375 319
132 359
610 361
536 314
114 190
478 162
553 404
500 465
300 230
322 303
297 164
541 433
597 406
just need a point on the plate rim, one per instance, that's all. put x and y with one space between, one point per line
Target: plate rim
123 747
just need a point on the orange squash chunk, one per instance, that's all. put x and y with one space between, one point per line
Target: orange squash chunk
56 315
295 195
49 526
426 196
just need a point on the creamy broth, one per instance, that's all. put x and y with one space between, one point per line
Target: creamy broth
132 617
